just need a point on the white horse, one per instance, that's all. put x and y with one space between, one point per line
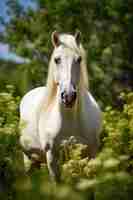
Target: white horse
63 108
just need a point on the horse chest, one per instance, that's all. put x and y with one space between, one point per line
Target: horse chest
69 127
55 127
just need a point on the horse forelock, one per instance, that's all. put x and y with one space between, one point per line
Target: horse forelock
68 41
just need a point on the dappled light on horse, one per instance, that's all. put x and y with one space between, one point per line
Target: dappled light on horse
63 108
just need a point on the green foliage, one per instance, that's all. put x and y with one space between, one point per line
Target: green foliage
10 154
118 127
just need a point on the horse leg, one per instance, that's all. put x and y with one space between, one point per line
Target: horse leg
52 163
93 148
32 160
27 162
92 151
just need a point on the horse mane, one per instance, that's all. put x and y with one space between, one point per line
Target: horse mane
69 42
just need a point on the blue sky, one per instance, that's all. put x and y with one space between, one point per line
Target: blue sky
4 48
6 54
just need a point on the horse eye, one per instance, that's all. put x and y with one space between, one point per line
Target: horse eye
79 59
57 60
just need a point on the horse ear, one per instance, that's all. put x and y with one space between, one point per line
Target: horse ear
78 37
55 39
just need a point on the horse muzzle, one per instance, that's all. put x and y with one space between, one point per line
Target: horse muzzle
68 99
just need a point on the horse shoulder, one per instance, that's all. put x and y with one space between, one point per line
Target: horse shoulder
31 101
50 124
92 102
92 114
29 110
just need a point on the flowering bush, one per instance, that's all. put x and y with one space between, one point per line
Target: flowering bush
10 152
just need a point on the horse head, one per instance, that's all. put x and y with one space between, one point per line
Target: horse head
66 66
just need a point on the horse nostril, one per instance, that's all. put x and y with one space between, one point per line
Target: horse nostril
62 95
68 98
74 95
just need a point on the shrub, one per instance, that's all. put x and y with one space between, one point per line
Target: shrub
10 164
